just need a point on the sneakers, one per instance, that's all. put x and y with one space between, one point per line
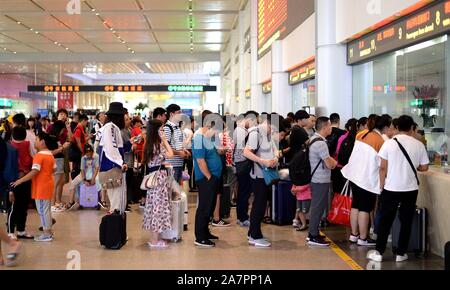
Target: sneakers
353 239
103 205
221 223
72 206
205 243
320 237
128 209
43 238
367 242
57 208
13 237
24 236
296 224
142 205
259 243
402 258
301 228
244 224
212 237
53 222
375 256
317 241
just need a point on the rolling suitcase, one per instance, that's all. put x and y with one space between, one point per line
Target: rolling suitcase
113 230
284 204
113 227
418 240
89 196
185 207
177 222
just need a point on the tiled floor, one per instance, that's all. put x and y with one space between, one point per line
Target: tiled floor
78 231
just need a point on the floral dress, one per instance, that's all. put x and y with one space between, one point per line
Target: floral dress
158 208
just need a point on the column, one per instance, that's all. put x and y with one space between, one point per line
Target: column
333 76
256 88
281 90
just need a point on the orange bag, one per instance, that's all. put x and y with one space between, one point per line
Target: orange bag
341 207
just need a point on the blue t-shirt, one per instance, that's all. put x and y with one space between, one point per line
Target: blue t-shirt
204 148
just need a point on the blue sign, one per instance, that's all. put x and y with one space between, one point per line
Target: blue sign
188 112
43 112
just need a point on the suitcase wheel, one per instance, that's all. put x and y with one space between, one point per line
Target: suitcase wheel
175 240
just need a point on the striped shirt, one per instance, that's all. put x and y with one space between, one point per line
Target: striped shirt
175 140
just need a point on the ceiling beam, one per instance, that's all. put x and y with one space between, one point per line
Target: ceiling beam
123 12
109 57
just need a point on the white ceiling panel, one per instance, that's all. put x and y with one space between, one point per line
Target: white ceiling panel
217 5
20 48
164 4
126 21
42 23
100 37
114 5
78 47
181 21
64 37
112 47
83 21
4 39
184 37
17 5
139 37
49 47
27 37
145 48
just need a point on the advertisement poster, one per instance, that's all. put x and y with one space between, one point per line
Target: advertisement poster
65 100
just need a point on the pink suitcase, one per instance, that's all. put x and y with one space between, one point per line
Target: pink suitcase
88 196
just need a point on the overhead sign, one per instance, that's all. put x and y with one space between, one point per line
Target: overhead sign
302 73
122 88
427 23
43 112
6 104
267 87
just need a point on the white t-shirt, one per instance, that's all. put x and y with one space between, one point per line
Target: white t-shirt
400 176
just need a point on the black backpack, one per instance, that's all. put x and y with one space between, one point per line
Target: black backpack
300 167
346 150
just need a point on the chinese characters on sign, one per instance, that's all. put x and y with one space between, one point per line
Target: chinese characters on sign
65 100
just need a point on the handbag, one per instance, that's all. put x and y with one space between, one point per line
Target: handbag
341 207
271 176
110 179
150 181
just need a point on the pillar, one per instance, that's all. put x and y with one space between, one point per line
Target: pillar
281 90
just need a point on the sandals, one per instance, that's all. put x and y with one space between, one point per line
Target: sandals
11 258
267 220
25 236
158 245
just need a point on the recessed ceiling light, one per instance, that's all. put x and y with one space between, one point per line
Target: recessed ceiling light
31 29
93 10
97 14
132 51
37 32
14 52
55 42
18 22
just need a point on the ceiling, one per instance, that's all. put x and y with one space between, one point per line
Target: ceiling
119 26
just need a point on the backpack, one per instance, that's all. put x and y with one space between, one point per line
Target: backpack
300 167
346 150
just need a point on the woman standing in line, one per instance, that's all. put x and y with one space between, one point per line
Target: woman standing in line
157 213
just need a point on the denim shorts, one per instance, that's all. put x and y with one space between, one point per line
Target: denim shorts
59 165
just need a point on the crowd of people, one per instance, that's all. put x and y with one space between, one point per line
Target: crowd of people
377 156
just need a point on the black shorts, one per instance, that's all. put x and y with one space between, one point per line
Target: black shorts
363 200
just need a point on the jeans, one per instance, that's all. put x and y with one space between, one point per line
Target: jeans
261 191
43 208
243 194
207 197
389 205
319 203
18 211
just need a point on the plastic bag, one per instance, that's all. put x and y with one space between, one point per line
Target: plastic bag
341 207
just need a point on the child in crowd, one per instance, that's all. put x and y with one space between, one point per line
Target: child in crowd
303 195
42 182
90 167
20 197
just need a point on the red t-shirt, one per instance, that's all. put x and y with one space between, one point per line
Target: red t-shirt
80 133
140 145
24 155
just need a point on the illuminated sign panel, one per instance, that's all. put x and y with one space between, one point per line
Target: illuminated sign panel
6 104
278 18
123 88
302 73
267 87
425 24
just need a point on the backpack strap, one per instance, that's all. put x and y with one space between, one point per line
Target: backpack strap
172 130
409 159
321 161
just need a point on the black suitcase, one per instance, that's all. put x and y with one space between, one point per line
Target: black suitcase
113 230
418 240
284 204
447 256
